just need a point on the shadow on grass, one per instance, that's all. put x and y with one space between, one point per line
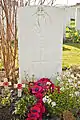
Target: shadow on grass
66 49
76 45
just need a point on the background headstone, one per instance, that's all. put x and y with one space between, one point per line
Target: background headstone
40 33
77 17
69 14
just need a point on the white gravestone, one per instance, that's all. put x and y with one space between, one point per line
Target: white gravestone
69 14
77 17
40 33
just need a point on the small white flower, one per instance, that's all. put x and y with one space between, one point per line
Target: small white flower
78 75
48 114
11 91
75 85
49 101
77 93
44 99
63 75
62 89
71 95
10 77
72 75
9 83
7 97
58 78
72 84
67 73
61 83
53 104
69 80
75 78
47 97
5 80
48 83
78 82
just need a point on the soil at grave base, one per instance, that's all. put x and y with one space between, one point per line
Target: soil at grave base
5 114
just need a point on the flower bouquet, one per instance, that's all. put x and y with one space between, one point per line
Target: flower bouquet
39 91
43 100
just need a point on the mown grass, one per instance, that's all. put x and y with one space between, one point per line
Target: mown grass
71 54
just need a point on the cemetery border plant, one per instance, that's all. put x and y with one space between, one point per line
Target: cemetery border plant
5 98
73 35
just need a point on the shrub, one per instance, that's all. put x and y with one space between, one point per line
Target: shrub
72 35
23 105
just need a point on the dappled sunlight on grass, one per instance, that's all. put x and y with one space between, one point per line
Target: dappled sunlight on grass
71 54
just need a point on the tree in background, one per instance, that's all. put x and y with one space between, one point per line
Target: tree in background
8 35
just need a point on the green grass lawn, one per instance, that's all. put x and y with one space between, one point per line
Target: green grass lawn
71 54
